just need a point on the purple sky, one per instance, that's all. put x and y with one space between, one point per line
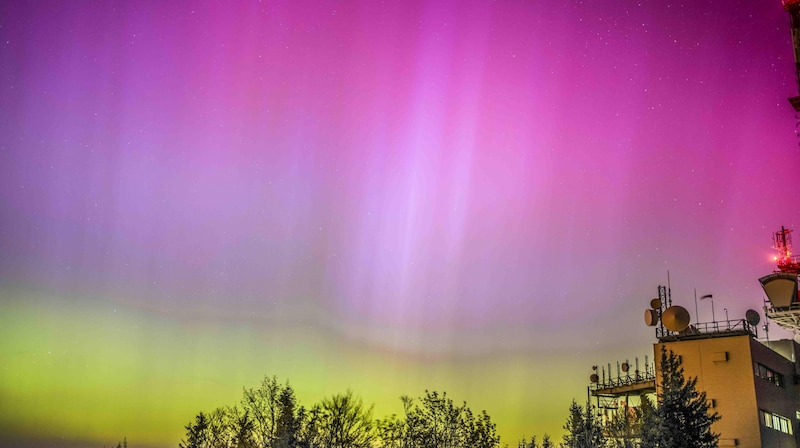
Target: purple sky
484 193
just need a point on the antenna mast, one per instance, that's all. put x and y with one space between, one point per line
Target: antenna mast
782 242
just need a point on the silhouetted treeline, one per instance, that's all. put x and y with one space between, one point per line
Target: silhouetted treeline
271 417
680 419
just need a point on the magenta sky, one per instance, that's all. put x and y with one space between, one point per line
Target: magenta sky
474 196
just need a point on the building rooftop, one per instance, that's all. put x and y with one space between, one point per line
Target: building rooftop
704 330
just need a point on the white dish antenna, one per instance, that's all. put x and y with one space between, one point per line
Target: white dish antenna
781 289
676 318
651 318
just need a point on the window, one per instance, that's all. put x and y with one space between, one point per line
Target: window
776 422
768 374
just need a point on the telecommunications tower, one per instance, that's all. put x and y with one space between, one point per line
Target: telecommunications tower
782 305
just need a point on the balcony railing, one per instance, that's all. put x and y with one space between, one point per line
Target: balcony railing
631 379
709 329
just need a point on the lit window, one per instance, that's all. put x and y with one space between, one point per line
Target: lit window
777 422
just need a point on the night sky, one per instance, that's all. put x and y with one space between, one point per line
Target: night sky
470 196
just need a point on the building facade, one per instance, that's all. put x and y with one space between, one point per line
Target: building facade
750 384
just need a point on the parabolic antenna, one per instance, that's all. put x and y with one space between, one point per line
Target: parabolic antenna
781 289
752 317
594 378
676 318
625 366
651 318
655 304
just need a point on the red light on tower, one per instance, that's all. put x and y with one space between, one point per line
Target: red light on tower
788 4
782 242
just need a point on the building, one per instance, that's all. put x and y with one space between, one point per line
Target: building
751 384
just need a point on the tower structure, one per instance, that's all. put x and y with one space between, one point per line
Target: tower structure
781 286
786 260
782 306
793 8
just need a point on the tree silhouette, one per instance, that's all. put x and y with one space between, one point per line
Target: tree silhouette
582 428
288 426
221 428
624 430
243 429
195 433
270 417
345 422
682 419
525 444
262 407
309 433
435 421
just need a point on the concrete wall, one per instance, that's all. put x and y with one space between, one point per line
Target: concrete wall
783 401
724 370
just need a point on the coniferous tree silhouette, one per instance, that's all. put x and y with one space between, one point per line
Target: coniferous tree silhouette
288 425
682 419
582 428
195 433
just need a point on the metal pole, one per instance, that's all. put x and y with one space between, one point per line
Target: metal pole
710 296
713 317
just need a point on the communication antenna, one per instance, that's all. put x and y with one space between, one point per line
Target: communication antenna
669 291
752 317
651 317
782 242
782 305
666 315
676 318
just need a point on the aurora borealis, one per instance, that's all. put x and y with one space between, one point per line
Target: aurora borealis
471 196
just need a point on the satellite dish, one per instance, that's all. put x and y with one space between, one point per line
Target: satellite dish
651 318
625 366
594 378
752 317
655 304
676 318
781 289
